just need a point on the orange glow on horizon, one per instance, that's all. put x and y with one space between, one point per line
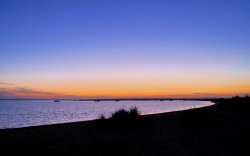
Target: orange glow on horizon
132 85
146 91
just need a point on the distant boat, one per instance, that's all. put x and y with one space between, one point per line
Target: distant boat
56 100
97 100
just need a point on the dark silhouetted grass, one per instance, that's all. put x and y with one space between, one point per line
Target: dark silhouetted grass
122 118
126 115
102 117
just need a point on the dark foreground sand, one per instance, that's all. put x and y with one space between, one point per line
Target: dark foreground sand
216 130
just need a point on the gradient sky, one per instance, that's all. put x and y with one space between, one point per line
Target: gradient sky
172 48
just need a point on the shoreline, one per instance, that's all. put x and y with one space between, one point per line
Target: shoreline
93 120
211 130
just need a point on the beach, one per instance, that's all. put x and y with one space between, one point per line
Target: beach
213 130
125 77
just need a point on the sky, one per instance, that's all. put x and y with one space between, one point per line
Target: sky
124 48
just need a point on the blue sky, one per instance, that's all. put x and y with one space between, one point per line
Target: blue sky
50 39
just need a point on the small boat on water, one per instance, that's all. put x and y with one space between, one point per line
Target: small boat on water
97 99
56 100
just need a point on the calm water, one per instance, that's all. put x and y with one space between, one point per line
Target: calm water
24 113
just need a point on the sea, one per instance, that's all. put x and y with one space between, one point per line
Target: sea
26 113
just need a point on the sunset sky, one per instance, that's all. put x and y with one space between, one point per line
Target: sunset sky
124 48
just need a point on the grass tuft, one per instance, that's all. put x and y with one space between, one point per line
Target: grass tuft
122 118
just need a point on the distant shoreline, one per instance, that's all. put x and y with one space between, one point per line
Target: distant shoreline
130 99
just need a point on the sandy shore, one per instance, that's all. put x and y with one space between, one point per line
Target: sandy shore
214 130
